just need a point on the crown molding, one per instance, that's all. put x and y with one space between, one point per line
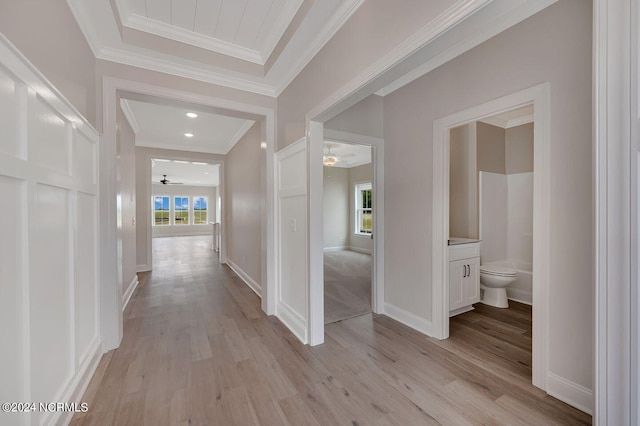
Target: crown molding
500 24
178 147
282 23
507 124
83 20
325 34
128 113
182 70
239 134
161 29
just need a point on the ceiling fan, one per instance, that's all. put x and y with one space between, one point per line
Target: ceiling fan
330 159
166 181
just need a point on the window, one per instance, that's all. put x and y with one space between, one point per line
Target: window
200 210
364 212
180 210
160 210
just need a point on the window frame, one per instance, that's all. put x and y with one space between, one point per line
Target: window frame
193 209
359 211
176 210
154 210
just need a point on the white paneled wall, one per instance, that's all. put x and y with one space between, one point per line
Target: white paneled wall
48 245
291 235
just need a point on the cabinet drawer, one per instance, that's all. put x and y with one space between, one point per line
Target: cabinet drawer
464 251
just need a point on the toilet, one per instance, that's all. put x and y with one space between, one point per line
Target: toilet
494 281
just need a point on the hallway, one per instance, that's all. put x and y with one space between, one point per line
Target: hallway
198 350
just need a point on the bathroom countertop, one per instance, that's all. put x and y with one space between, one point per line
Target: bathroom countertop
457 241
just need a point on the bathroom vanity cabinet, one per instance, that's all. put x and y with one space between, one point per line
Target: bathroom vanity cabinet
464 275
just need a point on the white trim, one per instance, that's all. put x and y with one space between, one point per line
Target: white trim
250 282
129 291
360 250
336 248
520 296
407 318
84 23
285 18
202 41
143 268
497 25
615 58
507 124
338 19
130 116
569 392
539 96
111 309
76 386
294 322
239 134
180 69
179 147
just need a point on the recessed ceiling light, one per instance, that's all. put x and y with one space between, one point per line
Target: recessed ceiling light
192 115
189 135
206 173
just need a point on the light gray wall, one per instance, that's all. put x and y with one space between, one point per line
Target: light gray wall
519 149
359 174
211 192
336 207
244 201
364 118
126 190
463 182
491 151
46 32
555 46
372 31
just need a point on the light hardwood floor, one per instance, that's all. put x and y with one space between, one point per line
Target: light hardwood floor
197 350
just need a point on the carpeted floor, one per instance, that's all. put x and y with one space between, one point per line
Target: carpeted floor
347 285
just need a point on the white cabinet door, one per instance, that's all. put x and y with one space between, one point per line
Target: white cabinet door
471 286
457 278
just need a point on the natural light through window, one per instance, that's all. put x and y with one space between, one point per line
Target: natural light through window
200 210
364 209
161 210
181 210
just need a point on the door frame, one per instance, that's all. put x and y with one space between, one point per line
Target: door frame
540 97
315 150
110 284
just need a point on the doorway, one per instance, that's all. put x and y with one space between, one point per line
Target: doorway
539 98
348 204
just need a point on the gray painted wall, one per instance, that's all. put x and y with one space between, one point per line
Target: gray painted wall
545 47
46 32
244 199
336 207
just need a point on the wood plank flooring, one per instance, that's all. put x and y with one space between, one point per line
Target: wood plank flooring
197 350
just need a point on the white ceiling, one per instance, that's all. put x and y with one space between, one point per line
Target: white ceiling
162 126
244 34
349 155
189 173
247 29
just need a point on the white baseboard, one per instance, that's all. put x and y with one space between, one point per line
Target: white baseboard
183 234
336 248
253 285
143 268
292 321
130 289
407 318
520 296
572 393
77 386
359 250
